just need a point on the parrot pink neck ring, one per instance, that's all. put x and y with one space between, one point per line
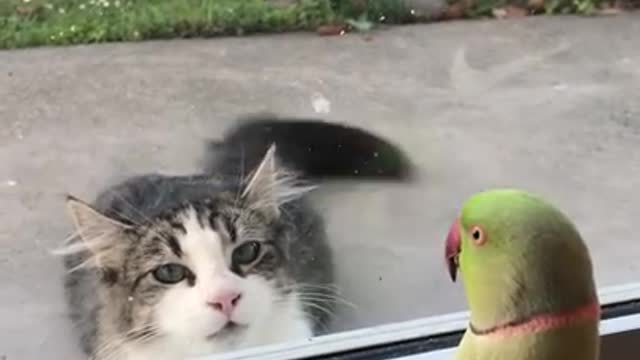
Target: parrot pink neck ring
542 322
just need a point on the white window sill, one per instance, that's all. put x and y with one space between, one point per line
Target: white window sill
416 329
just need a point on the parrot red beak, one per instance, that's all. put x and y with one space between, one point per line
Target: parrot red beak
453 249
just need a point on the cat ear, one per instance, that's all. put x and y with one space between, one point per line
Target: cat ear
260 189
98 232
270 186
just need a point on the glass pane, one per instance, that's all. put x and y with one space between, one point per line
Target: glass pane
171 270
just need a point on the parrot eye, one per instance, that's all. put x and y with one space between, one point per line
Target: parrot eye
478 236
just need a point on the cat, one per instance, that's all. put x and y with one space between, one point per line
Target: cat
170 267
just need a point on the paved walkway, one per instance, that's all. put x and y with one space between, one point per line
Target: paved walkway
549 104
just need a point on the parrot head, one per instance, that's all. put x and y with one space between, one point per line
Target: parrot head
515 251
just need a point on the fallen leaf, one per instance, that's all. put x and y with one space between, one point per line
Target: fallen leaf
612 8
510 11
625 4
516 11
331 30
499 13
455 11
535 5
25 10
609 11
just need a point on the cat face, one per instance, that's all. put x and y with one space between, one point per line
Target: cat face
202 276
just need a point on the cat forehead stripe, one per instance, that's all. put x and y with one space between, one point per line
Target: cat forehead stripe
203 245
177 226
174 245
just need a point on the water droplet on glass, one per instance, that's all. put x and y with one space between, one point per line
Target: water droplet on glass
10 183
560 87
320 104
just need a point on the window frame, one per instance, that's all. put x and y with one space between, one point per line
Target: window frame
430 338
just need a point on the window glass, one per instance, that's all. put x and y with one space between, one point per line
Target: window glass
147 212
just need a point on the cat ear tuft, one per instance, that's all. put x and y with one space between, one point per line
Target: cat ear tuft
259 191
98 232
270 186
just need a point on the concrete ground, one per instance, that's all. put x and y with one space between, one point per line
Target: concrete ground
548 104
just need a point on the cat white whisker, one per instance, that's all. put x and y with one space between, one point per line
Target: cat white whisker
112 349
324 309
324 298
331 287
91 243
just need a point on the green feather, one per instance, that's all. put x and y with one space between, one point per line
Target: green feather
533 261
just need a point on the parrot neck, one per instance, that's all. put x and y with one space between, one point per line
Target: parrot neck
540 322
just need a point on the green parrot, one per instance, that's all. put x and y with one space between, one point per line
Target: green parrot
528 280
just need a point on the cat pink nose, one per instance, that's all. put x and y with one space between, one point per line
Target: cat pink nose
225 302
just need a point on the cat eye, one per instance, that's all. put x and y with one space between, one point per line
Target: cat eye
170 273
246 253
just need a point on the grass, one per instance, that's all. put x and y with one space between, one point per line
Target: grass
26 23
480 8
62 22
